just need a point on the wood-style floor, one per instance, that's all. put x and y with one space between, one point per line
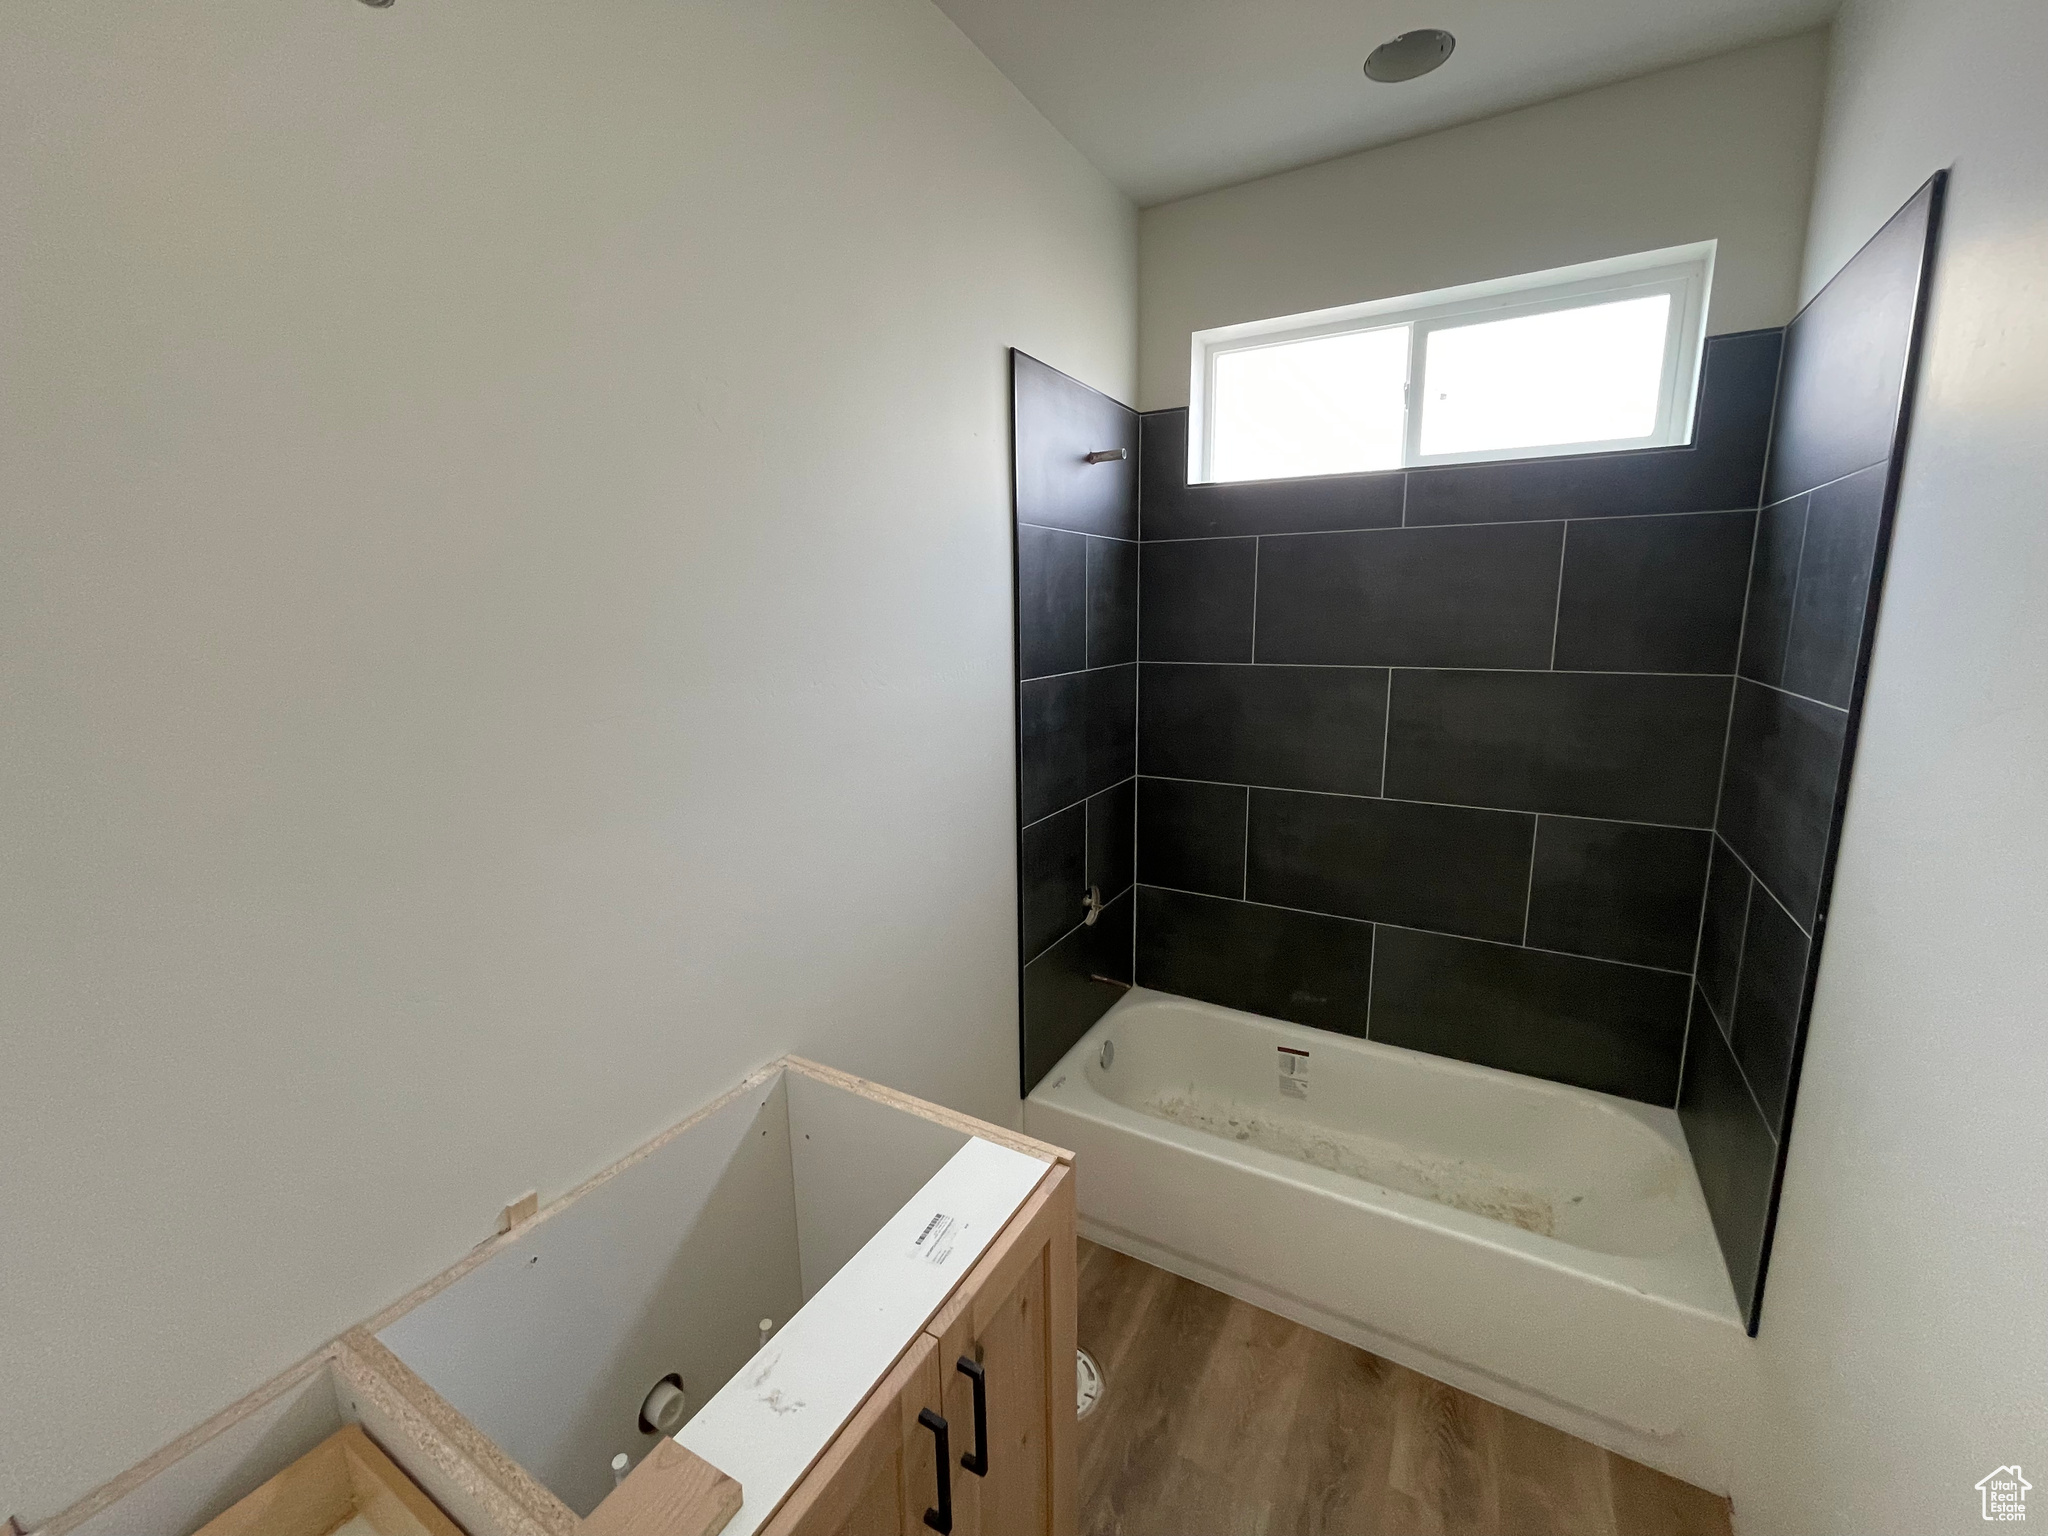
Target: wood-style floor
1219 1419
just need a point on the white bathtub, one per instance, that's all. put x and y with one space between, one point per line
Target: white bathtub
1541 1246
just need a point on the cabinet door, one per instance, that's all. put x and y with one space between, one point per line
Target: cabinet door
879 1474
1013 1319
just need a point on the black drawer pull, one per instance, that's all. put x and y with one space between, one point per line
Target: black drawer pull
940 1519
976 1460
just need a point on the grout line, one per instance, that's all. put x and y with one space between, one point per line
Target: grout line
1692 1006
1759 879
1372 965
1788 693
1449 805
1755 1102
1756 534
1225 538
1699 938
1700 996
1398 666
1137 695
1129 778
1684 1045
1335 917
1491 522
1712 1012
1107 666
1537 949
1088 845
1056 943
1255 602
1087 587
1529 890
1386 732
1130 890
1244 883
1557 608
1741 954
1792 615
1380 922
1077 533
1406 480
1883 463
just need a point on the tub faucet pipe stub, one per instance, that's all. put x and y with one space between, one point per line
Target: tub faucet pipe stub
665 1408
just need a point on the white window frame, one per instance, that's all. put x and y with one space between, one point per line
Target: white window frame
1685 272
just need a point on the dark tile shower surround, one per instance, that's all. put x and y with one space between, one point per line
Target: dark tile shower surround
1433 757
1537 764
1077 649
1814 584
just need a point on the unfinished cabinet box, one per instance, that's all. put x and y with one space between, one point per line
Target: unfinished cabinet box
506 1386
344 1486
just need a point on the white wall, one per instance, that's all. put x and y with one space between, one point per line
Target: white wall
504 625
1904 1348
1722 149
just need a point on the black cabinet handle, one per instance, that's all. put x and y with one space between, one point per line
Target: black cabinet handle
976 1460
940 1519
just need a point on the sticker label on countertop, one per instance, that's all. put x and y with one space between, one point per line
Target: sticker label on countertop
1293 1065
935 1243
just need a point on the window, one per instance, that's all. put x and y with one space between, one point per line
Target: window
1582 359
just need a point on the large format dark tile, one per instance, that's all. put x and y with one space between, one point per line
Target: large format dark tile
1054 854
1732 1150
1073 984
1076 735
1654 594
1767 1004
1573 743
1720 472
1846 355
1052 602
1778 798
1285 965
1417 597
1721 926
1617 890
1112 602
1613 1028
1196 600
1112 838
1056 423
1283 727
1191 836
1173 509
1773 578
1428 866
1843 521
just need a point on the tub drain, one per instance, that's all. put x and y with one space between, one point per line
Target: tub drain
1087 1383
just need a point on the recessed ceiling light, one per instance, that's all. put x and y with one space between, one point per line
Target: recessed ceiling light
1410 54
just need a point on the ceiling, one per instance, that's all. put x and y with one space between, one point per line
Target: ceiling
1171 97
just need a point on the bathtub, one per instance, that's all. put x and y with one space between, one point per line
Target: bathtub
1544 1247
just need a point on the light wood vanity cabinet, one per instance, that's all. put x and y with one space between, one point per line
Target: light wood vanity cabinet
879 1476
1014 1317
905 1256
1012 1463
